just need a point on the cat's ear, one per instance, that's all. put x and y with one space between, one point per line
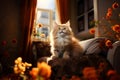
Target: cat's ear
55 24
68 23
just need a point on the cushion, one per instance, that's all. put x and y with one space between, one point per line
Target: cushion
114 56
93 46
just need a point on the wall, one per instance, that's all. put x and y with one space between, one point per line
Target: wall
10 32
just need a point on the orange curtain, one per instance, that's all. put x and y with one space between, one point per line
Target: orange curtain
63 10
27 18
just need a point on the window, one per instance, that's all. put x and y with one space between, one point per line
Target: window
45 14
85 14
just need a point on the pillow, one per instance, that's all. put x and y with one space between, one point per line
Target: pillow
114 56
93 46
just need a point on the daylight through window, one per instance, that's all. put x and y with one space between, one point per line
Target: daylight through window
45 14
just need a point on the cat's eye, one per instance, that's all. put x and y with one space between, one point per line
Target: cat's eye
59 28
64 28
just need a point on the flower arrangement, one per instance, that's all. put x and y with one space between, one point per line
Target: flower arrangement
20 67
36 31
41 72
40 33
109 25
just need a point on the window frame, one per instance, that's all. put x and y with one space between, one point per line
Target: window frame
47 25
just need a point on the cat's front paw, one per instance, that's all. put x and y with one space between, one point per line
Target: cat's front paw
54 57
66 55
56 53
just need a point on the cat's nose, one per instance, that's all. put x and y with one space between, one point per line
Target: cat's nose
61 31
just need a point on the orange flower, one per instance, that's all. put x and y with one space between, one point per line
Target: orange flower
40 25
109 14
92 31
115 5
45 69
116 28
111 72
107 17
102 65
90 73
75 78
42 35
110 10
34 72
108 43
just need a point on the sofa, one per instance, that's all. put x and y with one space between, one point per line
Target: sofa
91 46
114 56
95 53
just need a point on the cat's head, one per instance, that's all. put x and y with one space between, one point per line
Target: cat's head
62 29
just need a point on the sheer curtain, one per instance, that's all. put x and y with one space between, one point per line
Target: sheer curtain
62 7
27 18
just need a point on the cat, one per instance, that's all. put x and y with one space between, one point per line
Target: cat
63 43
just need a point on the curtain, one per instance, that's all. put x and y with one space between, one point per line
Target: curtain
27 19
62 7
